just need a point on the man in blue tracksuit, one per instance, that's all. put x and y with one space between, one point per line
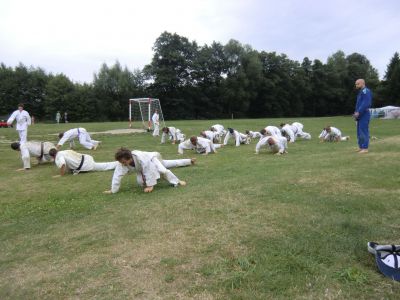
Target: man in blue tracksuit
362 115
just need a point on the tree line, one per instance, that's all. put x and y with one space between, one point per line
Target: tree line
204 82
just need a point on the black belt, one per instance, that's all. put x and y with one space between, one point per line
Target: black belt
41 151
81 164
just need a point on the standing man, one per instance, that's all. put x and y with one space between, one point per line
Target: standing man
58 117
156 123
362 115
23 121
66 117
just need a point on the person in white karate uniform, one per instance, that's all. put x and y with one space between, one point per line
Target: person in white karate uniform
23 120
254 134
39 150
219 132
199 144
84 138
332 134
291 132
271 131
173 134
210 135
156 123
277 145
69 161
239 138
149 167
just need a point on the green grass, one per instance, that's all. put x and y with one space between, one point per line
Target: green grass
245 227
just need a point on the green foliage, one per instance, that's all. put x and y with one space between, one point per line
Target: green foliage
204 81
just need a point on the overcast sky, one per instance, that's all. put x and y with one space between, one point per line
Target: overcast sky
76 37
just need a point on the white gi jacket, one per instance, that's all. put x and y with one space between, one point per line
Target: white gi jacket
147 168
239 138
279 146
273 130
23 119
35 149
255 134
203 145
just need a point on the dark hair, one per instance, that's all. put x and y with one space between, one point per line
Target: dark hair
165 129
282 124
193 139
247 132
60 135
53 152
230 130
263 131
15 145
123 153
21 105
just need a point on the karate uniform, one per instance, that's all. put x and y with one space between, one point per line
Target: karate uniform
273 131
293 131
280 145
23 121
239 138
255 134
332 136
219 129
81 134
173 134
149 166
364 101
72 160
40 150
203 145
156 124
211 135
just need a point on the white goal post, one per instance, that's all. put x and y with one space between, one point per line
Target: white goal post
142 109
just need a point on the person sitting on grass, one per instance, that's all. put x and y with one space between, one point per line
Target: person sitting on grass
149 167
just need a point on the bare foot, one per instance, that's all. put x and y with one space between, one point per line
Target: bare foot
363 151
148 189
23 169
193 161
182 183
107 192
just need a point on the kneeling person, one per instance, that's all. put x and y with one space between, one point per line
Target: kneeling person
74 162
149 166
40 150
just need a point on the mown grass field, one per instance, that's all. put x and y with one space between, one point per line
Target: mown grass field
246 226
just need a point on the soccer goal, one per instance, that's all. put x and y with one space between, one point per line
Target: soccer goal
142 109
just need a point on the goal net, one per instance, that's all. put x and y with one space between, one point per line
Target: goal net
142 109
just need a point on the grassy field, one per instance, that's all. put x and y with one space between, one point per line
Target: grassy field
245 227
